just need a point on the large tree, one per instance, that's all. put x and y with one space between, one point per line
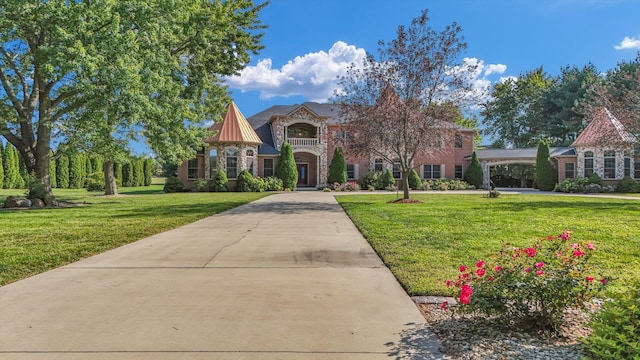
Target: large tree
106 71
508 116
388 103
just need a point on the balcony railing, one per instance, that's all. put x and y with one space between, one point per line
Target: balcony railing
302 142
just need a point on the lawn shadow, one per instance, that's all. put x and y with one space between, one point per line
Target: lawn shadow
597 206
416 342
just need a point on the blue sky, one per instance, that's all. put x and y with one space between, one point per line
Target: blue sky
309 42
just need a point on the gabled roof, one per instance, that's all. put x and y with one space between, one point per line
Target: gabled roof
233 128
604 128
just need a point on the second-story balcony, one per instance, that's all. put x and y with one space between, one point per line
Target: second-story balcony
302 142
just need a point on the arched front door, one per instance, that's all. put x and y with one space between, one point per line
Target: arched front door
303 174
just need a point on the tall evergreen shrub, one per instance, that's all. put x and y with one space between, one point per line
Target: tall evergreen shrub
62 172
52 171
149 165
546 174
11 162
76 171
474 173
337 168
127 174
286 168
415 183
1 166
219 182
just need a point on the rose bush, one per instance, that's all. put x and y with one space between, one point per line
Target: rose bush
535 284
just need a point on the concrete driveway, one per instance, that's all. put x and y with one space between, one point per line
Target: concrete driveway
285 277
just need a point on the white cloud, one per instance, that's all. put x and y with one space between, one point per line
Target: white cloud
313 76
478 79
628 43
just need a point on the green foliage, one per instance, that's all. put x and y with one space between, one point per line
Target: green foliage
117 172
474 173
370 179
173 184
1 165
286 168
337 168
445 184
52 171
494 193
385 181
88 167
546 174
62 172
616 327
596 179
273 183
572 185
531 285
245 182
128 175
149 167
11 164
201 185
219 183
95 181
628 185
76 171
96 163
35 188
415 183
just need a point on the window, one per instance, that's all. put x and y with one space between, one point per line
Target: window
458 174
232 163
588 164
627 166
341 134
267 167
213 162
377 165
569 170
250 161
431 171
397 169
192 169
609 164
351 171
458 141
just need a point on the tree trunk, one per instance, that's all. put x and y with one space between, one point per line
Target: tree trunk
43 156
405 184
110 186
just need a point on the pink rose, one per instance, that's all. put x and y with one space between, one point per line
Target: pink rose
444 305
480 272
462 268
480 264
578 253
527 269
449 283
589 279
539 264
497 268
531 252
590 246
539 272
465 294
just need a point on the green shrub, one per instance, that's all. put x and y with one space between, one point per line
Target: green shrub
627 185
95 181
348 186
572 185
494 193
244 182
386 181
533 285
259 184
337 168
173 184
546 174
62 172
415 183
273 184
286 168
616 327
370 179
596 179
201 185
219 182
474 175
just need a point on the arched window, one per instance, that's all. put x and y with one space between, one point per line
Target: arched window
588 163
610 164
458 141
377 165
232 163
250 160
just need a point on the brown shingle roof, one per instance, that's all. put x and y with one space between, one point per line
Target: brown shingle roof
233 128
604 128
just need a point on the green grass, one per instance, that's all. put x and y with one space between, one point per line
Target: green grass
423 244
36 240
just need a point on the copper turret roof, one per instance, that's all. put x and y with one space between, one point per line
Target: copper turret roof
604 128
233 128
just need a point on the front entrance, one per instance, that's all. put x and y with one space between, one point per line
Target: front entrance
303 174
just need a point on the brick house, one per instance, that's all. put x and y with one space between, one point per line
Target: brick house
311 129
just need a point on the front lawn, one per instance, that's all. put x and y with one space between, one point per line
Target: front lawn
423 244
36 240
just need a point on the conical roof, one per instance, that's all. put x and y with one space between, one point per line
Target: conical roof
233 128
604 128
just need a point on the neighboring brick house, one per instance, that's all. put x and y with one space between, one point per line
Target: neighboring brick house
311 129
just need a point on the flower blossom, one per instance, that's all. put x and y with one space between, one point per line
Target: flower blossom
565 235
578 253
539 272
462 268
590 246
589 279
527 269
497 268
550 237
480 272
465 294
575 246
531 252
480 264
539 264
449 283
444 305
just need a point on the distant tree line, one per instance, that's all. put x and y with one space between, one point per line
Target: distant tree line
75 170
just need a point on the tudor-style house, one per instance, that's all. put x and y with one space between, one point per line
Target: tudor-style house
311 129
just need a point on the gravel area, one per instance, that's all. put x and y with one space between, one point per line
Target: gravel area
478 337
